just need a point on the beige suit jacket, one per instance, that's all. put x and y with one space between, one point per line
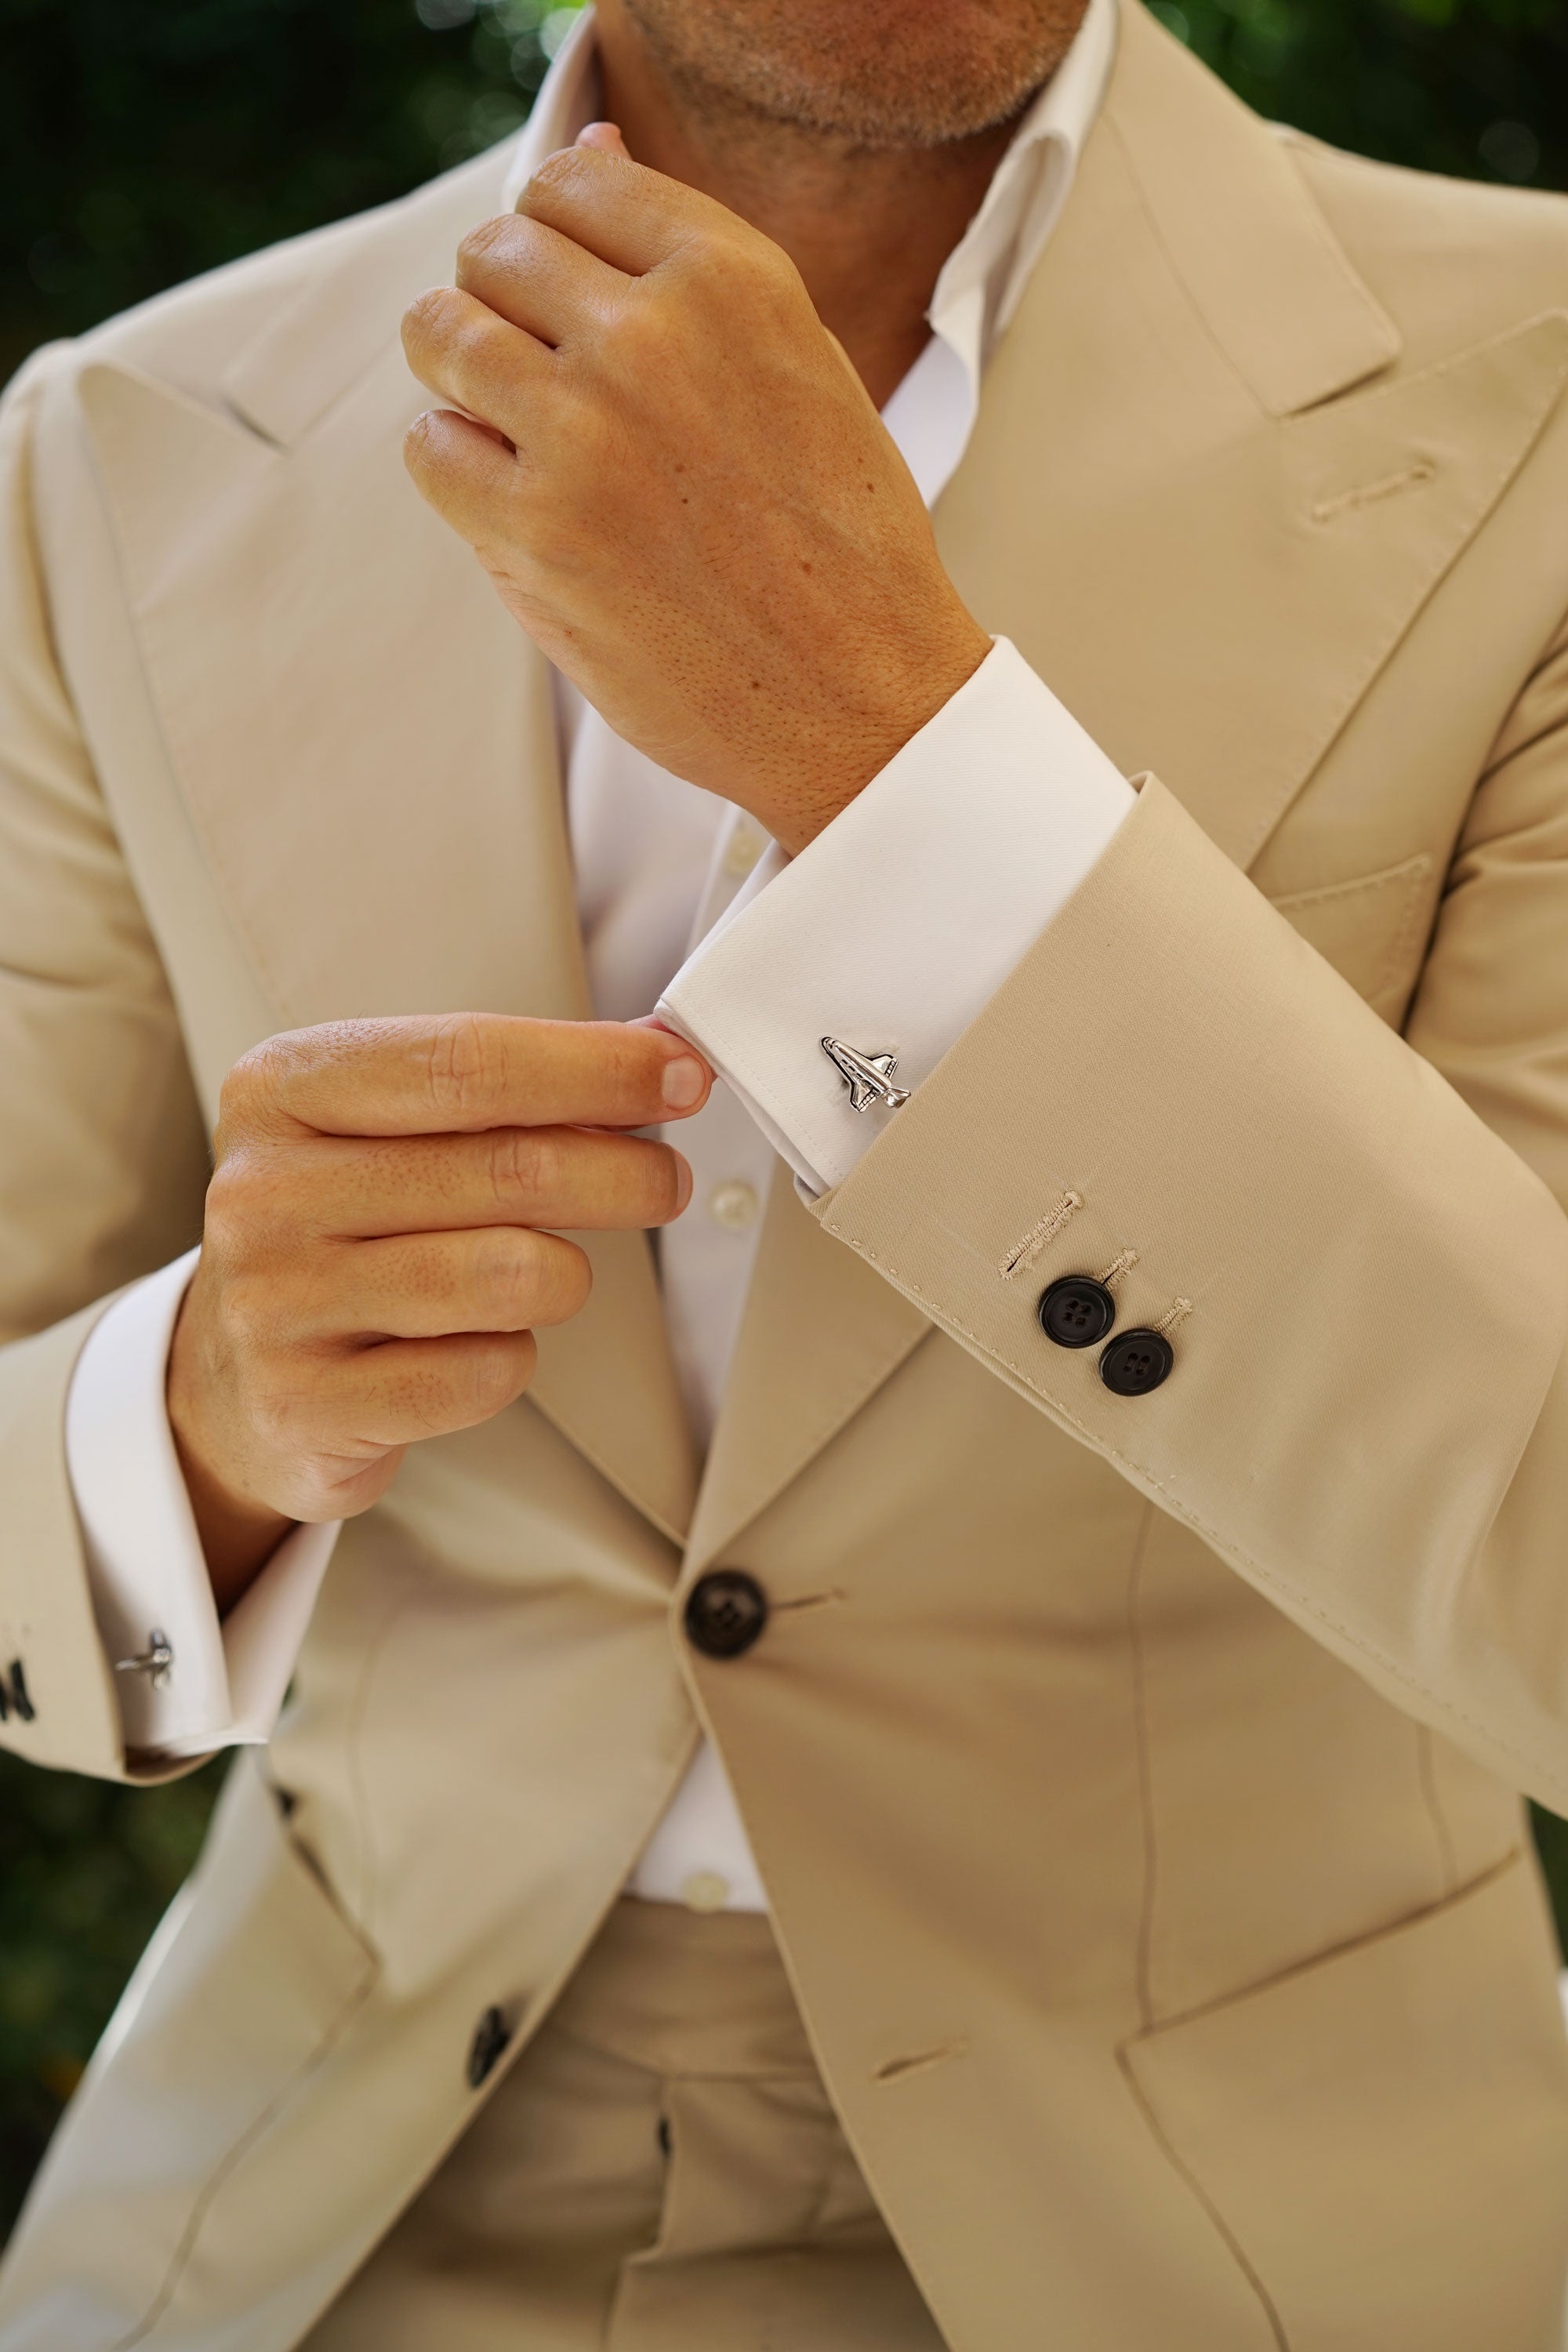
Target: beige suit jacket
1136 1780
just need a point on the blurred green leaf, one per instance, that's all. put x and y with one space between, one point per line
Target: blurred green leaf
86 1869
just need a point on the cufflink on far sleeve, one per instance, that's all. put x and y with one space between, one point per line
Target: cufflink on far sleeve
14 1696
156 1661
868 1076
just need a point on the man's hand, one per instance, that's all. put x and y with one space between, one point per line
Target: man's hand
375 1254
682 491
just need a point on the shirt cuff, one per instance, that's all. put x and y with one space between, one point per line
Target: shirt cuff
224 1684
896 925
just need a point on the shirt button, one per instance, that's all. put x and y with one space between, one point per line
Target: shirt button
742 853
705 1890
733 1206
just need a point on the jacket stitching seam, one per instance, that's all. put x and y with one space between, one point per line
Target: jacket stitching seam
1224 1544
1343 1950
228 2163
1184 2173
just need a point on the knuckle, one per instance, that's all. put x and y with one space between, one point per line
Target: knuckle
644 331
249 1086
501 1275
485 239
233 1208
557 174
278 1412
248 1202
255 1093
525 1167
249 1310
427 314
460 1066
227 1214
420 449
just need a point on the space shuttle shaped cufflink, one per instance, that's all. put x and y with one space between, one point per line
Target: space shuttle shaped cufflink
868 1076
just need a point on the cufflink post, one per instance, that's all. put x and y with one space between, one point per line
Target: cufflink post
156 1661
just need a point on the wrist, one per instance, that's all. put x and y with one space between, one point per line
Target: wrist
827 776
239 1534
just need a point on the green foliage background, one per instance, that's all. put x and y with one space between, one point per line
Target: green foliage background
141 141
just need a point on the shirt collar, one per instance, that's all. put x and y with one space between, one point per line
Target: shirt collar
984 275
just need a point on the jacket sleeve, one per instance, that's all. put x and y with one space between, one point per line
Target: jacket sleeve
103 1160
1352 1241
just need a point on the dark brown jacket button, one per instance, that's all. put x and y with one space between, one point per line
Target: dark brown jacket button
725 1613
492 2035
1076 1311
1136 1362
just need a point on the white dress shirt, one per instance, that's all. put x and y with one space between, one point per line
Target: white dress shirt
890 931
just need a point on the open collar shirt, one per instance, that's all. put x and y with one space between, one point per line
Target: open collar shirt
892 931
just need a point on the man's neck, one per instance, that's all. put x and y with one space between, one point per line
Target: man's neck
867 229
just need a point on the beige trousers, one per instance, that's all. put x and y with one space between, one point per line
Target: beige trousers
661 2172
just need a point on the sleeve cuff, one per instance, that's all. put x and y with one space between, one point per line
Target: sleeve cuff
224 1683
899 922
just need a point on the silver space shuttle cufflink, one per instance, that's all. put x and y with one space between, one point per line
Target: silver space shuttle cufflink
868 1076
156 1661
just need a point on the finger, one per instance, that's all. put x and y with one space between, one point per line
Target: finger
576 1180
605 136
539 280
463 468
461 1072
629 217
400 1391
426 1286
463 352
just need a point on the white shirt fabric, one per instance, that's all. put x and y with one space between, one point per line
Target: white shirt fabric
890 930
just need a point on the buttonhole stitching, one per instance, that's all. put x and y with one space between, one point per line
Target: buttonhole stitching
808 1601
895 2069
1366 494
1175 1313
1022 1256
1265 1577
1117 1267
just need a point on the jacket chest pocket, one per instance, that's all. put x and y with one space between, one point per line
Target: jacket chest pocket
1372 929
1381 2134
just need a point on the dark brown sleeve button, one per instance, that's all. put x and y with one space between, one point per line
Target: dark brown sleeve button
1076 1311
492 2035
725 1613
1136 1362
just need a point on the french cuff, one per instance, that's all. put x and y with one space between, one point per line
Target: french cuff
187 1683
889 933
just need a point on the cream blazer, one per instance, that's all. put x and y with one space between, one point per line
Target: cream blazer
1136 1780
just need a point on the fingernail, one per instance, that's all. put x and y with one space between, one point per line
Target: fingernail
682 1183
684 1080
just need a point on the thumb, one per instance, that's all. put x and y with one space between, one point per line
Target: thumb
605 136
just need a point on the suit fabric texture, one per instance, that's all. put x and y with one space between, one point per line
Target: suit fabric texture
1136 1780
662 2169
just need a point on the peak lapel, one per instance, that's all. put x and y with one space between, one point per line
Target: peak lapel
1185 500
1201 507
1223 198
366 746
